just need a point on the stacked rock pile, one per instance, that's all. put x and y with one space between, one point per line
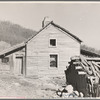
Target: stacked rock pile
68 92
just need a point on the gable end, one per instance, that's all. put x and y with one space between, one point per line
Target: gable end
66 31
52 23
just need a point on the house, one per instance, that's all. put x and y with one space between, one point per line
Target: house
46 53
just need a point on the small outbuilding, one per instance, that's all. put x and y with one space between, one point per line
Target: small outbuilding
13 59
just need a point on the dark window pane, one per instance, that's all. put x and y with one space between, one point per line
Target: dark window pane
53 42
5 60
53 60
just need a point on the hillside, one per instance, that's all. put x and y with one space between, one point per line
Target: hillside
14 33
90 49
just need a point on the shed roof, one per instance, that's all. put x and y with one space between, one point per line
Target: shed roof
12 49
63 29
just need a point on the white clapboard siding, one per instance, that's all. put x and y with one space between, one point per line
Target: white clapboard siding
39 50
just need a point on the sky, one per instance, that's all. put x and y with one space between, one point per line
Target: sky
80 18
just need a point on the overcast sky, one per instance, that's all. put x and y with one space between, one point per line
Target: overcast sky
81 19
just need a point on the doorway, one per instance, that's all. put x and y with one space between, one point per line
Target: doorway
19 65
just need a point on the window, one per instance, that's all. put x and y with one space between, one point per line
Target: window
5 60
53 60
52 42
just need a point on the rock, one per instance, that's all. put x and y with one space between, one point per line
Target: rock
71 95
76 93
65 95
59 93
81 94
69 88
61 88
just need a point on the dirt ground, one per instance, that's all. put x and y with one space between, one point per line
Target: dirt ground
30 87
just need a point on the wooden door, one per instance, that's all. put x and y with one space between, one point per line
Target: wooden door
19 65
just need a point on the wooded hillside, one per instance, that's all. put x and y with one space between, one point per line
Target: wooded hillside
14 33
90 49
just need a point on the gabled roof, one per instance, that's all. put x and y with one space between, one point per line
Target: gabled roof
12 49
52 23
63 29
38 32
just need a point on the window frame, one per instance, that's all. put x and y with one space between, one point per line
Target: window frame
5 60
55 42
56 60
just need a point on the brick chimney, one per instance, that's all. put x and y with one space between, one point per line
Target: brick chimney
46 21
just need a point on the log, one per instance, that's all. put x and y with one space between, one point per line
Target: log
78 67
81 72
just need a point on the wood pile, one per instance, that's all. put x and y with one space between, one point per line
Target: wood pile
83 76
